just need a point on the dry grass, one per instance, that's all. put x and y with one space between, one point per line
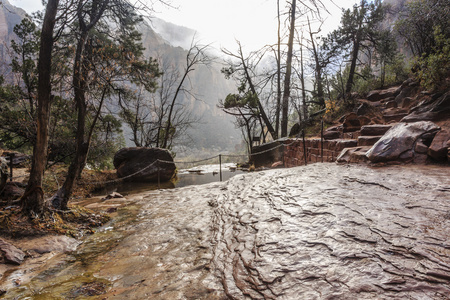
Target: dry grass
77 221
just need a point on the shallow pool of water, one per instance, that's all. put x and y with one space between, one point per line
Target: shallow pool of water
183 179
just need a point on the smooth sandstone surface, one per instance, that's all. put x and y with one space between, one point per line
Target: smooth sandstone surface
323 231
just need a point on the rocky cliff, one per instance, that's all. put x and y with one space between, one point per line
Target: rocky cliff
10 16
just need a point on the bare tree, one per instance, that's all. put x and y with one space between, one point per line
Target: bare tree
244 71
197 55
287 76
147 113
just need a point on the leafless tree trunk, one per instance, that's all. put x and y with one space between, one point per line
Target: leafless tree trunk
196 56
318 69
302 81
287 79
278 108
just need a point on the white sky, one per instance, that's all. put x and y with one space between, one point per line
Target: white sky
252 22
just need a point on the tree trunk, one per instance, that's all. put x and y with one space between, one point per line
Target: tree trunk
287 79
33 198
318 70
79 83
261 109
172 105
302 81
349 85
80 77
278 108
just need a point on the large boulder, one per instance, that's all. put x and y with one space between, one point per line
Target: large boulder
435 108
353 155
12 190
439 148
398 144
378 95
140 164
295 130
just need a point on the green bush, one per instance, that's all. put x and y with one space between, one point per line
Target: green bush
433 69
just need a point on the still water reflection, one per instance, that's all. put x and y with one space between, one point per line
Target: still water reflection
195 176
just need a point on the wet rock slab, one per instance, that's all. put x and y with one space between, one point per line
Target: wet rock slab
332 232
318 232
323 231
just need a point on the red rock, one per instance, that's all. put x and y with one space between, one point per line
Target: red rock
434 109
12 191
11 253
394 117
378 95
351 123
351 135
112 196
374 130
438 149
391 104
368 140
420 158
353 155
421 148
277 164
364 120
399 142
342 144
406 102
331 135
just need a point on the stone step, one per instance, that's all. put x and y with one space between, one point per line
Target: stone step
368 140
394 117
353 155
374 130
378 95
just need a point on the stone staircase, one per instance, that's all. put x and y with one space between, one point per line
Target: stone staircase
357 132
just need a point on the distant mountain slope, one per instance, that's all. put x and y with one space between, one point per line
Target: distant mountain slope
393 14
10 16
177 36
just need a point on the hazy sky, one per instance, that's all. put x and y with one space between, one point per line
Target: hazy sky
253 22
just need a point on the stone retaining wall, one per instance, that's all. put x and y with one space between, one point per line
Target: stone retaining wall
294 150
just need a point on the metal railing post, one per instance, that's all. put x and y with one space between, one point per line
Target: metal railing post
159 177
304 147
220 166
321 142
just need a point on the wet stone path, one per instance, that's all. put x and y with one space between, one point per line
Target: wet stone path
335 232
322 231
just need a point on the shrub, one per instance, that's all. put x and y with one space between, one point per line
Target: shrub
433 69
